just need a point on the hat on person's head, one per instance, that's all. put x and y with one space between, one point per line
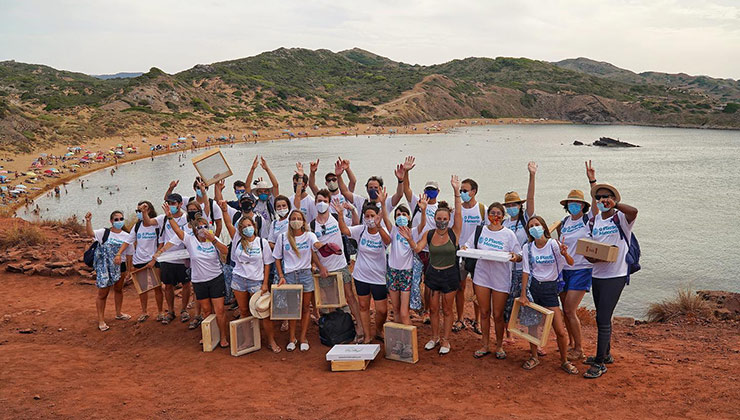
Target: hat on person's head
574 195
174 197
262 185
596 187
330 248
247 198
431 184
512 197
259 304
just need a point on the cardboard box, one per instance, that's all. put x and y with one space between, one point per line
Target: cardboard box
351 357
597 250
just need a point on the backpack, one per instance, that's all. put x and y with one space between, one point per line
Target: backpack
585 222
257 221
471 262
138 225
633 247
348 248
229 261
453 238
210 204
89 256
336 328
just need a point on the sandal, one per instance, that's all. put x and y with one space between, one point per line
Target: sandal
284 326
595 371
168 317
501 354
481 353
359 339
573 355
224 346
123 317
142 318
291 345
160 317
531 363
276 349
103 327
426 320
195 323
476 328
569 368
541 352
458 326
184 316
591 360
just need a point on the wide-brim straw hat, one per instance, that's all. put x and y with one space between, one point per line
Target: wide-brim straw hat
596 187
259 305
512 197
574 195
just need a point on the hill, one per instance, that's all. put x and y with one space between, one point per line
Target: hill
291 87
120 75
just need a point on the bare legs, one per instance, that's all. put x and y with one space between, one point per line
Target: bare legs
216 305
562 336
400 302
448 301
100 306
571 299
305 319
354 307
158 298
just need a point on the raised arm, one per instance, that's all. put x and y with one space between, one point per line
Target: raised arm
173 185
457 226
223 249
88 225
218 191
384 236
169 219
532 168
273 178
250 175
227 219
299 186
408 165
591 175
148 221
340 219
312 168
338 170
630 213
350 175
423 201
383 196
400 175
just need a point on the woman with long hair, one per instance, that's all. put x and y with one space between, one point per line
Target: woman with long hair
400 265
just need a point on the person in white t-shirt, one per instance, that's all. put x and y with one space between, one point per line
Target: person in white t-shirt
473 215
576 277
294 252
208 206
108 273
613 226
373 187
301 200
251 257
264 194
370 267
206 275
279 225
492 279
332 181
144 237
519 212
543 260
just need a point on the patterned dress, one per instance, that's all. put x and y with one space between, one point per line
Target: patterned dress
107 272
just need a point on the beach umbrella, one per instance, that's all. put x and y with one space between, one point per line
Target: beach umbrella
182 138
3 172
30 173
21 186
48 171
3 177
119 145
75 165
69 154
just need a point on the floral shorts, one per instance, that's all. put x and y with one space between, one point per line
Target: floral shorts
399 280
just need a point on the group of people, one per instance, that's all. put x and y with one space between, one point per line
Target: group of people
383 248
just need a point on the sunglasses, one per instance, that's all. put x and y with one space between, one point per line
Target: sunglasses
201 227
599 197
323 230
138 211
430 189
462 190
331 180
118 220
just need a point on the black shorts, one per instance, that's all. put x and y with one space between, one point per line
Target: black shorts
446 280
211 289
173 274
123 267
544 293
379 291
424 257
156 264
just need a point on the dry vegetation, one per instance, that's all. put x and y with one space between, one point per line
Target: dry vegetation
685 304
21 234
69 224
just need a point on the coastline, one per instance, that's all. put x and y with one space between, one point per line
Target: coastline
21 162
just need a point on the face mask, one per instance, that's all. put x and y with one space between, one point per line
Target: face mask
537 231
282 212
174 209
199 193
322 207
248 231
191 215
296 224
201 232
465 196
118 225
495 219
602 208
574 208
332 185
247 207
238 194
512 211
432 194
369 222
373 194
139 215
263 196
402 221
441 224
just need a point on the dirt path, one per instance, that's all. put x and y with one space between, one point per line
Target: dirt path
153 371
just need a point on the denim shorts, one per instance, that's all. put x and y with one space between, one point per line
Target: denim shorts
241 284
544 293
398 280
577 279
302 277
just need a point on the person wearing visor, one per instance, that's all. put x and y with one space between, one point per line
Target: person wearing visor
264 194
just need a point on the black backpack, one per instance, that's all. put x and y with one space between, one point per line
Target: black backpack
349 245
138 225
210 204
336 328
89 256
471 262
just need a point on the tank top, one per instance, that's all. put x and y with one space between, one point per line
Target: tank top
444 255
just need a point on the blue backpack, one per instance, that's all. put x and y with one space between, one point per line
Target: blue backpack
89 256
633 247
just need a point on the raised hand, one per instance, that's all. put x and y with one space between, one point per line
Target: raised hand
532 167
337 206
563 248
314 166
382 195
222 204
209 235
338 169
345 163
590 172
455 182
144 207
423 201
220 185
609 202
255 162
263 163
405 232
409 163
348 206
299 170
173 184
166 209
88 216
400 172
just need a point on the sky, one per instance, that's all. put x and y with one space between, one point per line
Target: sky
109 36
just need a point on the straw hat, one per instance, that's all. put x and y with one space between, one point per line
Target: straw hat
259 305
596 187
512 197
574 195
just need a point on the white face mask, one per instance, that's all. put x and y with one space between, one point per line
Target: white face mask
296 224
322 206
332 185
282 212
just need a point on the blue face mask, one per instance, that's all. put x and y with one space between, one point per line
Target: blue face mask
199 193
537 231
248 231
238 194
263 197
574 208
465 196
372 193
174 209
118 225
402 221
512 211
602 207
431 193
139 215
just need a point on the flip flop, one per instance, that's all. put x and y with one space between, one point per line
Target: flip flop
123 317
143 317
275 349
224 346
103 327
501 355
479 354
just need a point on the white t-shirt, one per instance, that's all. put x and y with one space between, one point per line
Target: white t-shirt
292 262
205 263
169 235
519 229
605 231
261 209
548 262
570 232
145 242
470 219
401 256
114 238
488 273
358 201
329 233
250 263
308 206
277 228
370 264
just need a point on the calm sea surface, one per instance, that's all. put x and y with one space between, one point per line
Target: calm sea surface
683 181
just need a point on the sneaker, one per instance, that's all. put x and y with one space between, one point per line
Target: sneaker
590 360
595 371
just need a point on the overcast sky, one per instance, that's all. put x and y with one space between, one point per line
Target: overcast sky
109 36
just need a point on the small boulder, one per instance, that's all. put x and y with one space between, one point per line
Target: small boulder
577 143
14 268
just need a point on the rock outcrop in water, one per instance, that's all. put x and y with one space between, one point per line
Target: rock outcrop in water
606 142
